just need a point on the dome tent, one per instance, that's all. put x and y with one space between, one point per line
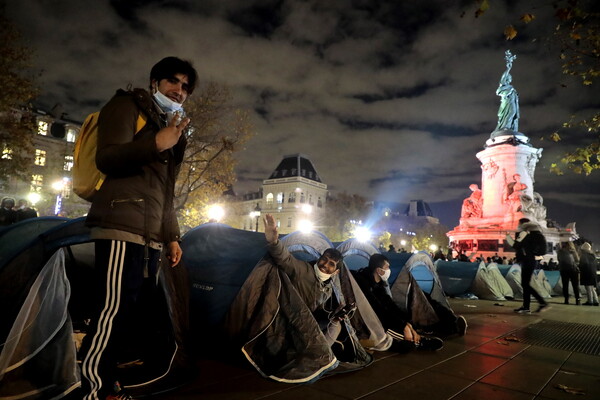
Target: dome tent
489 284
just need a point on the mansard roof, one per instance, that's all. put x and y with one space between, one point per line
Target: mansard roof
296 165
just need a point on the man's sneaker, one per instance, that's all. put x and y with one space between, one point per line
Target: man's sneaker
430 343
522 310
542 307
402 346
118 393
461 325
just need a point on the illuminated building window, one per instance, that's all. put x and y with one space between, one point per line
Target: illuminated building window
37 181
270 199
7 154
68 165
71 135
279 198
292 197
40 157
42 128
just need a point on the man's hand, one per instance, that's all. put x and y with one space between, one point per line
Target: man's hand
169 136
174 253
271 233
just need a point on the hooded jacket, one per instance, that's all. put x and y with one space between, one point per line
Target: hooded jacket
137 194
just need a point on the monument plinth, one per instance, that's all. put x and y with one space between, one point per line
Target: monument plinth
507 193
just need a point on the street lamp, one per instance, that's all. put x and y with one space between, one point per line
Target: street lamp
256 214
215 213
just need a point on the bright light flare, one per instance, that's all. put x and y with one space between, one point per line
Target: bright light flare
433 247
362 234
216 212
305 226
307 209
34 198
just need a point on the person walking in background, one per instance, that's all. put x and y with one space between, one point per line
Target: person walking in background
524 245
568 272
24 211
588 267
8 215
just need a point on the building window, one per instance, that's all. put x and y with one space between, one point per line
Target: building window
71 135
37 181
7 154
42 128
270 199
319 202
292 197
310 201
278 223
289 224
68 165
40 157
280 198
302 199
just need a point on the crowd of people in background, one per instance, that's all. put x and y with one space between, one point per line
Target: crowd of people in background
11 213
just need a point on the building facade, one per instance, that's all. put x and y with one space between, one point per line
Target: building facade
294 194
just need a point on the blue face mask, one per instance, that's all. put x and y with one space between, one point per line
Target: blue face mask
166 104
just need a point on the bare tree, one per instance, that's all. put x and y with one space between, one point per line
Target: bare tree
217 131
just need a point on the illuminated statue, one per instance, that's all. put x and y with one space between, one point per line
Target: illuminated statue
508 113
513 193
472 205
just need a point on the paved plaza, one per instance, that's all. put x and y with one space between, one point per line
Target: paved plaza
552 355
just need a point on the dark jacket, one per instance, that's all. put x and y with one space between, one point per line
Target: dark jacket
588 267
566 261
390 315
524 245
137 195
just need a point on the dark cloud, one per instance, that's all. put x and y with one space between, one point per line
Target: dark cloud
389 99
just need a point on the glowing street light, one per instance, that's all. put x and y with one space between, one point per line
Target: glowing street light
305 226
216 213
307 209
403 242
433 247
362 234
33 198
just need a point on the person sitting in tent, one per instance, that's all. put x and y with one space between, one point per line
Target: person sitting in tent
297 320
373 281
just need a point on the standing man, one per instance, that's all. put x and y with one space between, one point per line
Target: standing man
524 245
132 215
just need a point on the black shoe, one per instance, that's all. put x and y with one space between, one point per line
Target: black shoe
402 346
597 304
566 301
587 303
542 307
430 343
522 310
461 325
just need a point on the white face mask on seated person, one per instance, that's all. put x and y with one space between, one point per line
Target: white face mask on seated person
321 275
386 274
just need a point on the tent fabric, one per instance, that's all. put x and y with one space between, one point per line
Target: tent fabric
513 277
456 277
356 253
19 278
408 293
41 335
489 284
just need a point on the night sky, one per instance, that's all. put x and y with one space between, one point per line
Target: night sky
389 99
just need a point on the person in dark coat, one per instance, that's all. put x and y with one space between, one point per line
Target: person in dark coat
588 267
568 272
373 283
8 215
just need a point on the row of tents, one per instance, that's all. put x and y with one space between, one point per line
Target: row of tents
46 264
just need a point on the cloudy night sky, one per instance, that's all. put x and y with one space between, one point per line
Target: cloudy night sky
389 99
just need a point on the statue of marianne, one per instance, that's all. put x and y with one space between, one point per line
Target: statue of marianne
508 113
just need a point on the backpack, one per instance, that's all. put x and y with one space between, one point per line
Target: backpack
538 243
87 179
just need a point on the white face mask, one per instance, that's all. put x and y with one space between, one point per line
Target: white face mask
166 104
386 275
322 275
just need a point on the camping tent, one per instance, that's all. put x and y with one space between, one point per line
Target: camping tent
356 253
489 284
43 292
513 277
456 276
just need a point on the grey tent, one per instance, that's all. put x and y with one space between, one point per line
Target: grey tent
489 284
513 277
456 276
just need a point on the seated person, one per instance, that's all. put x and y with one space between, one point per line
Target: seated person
373 281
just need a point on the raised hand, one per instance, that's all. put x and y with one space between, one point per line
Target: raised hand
169 136
271 233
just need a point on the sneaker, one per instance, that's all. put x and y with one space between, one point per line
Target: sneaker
597 304
430 343
461 325
118 393
522 310
402 346
542 307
